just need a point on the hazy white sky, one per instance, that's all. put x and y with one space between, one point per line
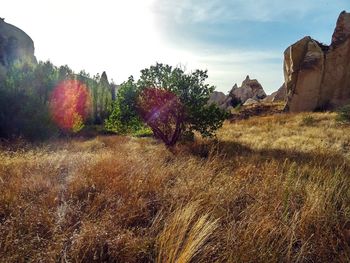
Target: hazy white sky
230 38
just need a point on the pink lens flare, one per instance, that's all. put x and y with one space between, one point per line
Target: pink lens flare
70 104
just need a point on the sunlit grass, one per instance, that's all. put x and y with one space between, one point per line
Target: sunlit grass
270 189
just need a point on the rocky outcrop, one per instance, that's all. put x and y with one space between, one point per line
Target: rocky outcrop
15 46
278 96
318 76
221 100
250 89
249 102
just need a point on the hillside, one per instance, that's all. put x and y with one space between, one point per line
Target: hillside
271 189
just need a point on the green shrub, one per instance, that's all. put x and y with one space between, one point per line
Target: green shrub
191 90
343 114
124 117
143 132
24 110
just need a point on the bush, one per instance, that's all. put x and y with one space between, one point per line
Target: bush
163 112
24 109
191 91
343 114
124 117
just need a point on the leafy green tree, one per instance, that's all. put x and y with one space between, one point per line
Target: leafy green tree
45 79
162 111
64 73
192 92
105 98
101 94
25 94
124 117
23 101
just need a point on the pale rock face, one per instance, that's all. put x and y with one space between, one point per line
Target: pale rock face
318 76
15 46
250 88
250 102
304 66
336 84
342 30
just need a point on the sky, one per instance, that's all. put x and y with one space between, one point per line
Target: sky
229 38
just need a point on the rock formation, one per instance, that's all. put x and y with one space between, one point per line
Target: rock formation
278 96
221 100
15 46
318 76
250 89
249 102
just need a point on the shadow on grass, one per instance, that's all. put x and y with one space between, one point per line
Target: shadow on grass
229 150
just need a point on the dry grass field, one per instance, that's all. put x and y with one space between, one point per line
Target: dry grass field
269 189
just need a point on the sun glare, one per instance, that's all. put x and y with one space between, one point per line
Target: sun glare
70 105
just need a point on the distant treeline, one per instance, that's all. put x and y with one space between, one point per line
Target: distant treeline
25 97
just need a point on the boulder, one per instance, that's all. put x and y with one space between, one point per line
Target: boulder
249 102
250 88
318 76
15 46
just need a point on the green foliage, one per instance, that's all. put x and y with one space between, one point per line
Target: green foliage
101 96
23 102
343 114
163 112
193 93
143 132
191 90
25 95
124 118
78 124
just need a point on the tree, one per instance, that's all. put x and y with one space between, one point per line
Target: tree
163 112
179 100
193 93
24 96
105 98
124 117
70 104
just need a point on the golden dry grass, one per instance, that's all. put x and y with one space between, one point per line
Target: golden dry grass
270 189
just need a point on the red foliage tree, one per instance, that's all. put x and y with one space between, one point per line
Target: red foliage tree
70 105
163 112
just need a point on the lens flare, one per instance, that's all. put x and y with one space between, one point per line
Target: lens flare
70 105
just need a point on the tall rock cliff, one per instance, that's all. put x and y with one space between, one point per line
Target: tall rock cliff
318 76
15 46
